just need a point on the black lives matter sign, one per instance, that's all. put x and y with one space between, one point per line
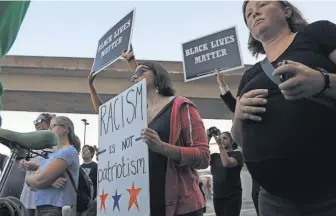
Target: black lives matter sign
217 52
115 41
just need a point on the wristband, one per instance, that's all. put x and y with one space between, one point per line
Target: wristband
327 82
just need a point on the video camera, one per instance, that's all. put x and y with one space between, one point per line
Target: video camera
213 131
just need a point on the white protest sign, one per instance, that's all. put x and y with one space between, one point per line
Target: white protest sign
123 175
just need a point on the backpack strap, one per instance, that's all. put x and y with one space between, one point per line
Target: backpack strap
268 70
72 180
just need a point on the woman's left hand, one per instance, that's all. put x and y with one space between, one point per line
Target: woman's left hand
306 82
151 138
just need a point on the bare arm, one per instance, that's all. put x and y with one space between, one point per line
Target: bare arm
131 61
133 64
96 101
226 160
48 175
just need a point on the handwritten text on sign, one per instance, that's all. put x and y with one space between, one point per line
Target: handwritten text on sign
116 40
123 167
216 52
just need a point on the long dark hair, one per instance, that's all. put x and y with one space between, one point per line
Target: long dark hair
296 22
73 139
162 80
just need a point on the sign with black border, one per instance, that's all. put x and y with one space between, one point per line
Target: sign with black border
212 53
113 43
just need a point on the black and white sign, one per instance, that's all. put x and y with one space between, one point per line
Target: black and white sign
217 52
116 40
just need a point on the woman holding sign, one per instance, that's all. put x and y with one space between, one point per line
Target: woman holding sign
177 142
281 117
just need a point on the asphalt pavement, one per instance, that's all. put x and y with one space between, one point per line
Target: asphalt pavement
247 209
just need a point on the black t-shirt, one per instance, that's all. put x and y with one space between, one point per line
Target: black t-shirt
290 153
226 180
91 170
158 162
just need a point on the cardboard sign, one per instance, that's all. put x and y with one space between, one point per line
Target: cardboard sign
123 169
113 43
217 52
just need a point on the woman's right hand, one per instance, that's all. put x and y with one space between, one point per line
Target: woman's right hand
60 182
22 163
29 165
249 105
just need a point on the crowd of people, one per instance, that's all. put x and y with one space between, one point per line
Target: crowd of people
280 125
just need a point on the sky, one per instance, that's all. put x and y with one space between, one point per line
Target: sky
73 28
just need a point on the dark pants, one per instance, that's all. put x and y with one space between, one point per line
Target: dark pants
229 206
31 212
255 195
47 210
195 213
270 205
92 210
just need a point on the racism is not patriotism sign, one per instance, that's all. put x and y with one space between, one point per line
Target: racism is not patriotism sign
216 52
113 43
123 173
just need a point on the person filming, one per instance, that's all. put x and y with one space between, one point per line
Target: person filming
225 169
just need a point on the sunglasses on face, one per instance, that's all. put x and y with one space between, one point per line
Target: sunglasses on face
141 70
38 121
55 125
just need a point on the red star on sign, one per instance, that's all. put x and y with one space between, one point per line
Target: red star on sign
134 192
103 197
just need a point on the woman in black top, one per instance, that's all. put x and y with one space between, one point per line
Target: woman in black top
285 134
225 169
176 140
230 101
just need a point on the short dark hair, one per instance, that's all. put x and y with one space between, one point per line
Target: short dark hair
162 80
47 117
91 149
296 22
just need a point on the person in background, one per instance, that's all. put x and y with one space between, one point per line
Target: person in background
27 197
225 169
176 140
230 102
283 128
51 181
90 167
201 188
209 189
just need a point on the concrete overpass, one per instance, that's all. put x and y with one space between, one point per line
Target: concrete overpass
59 84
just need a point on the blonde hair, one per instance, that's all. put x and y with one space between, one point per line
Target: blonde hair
73 139
296 22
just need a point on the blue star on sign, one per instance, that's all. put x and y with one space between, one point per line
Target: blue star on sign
116 199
